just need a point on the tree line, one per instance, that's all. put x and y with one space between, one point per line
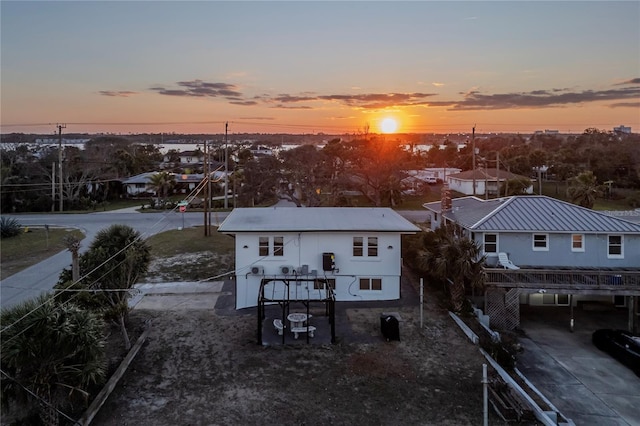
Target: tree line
371 165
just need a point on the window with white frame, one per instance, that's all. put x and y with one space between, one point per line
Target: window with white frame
320 284
540 242
371 249
372 246
358 243
278 246
263 246
615 249
490 243
577 242
370 283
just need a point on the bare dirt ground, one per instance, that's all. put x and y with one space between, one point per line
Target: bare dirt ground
204 366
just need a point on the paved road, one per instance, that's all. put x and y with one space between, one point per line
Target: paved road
41 278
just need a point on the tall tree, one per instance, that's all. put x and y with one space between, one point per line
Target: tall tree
374 165
304 174
260 181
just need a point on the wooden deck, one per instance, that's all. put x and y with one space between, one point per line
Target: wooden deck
623 282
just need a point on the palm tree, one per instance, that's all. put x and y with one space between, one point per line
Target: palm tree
73 245
456 260
51 354
162 183
584 189
115 260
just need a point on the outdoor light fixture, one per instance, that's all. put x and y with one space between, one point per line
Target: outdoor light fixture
390 247
245 246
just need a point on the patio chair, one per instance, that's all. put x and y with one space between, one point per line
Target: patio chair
503 260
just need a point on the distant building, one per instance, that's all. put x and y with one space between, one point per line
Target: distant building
488 180
622 129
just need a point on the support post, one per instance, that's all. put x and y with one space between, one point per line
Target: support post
485 396
571 323
226 168
60 127
473 156
421 302
632 320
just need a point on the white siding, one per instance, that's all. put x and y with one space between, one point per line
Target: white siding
306 249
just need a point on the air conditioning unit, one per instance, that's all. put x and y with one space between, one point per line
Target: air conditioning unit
286 269
257 270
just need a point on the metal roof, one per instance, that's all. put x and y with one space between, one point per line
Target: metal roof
316 219
531 213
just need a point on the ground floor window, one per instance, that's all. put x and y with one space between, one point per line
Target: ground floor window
555 299
320 284
370 284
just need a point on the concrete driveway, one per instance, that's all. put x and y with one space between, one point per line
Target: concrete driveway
585 384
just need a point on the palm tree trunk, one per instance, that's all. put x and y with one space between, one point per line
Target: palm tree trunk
123 330
457 295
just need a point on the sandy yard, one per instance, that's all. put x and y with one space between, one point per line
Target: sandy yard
201 365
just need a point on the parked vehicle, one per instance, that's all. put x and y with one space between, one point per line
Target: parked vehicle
620 344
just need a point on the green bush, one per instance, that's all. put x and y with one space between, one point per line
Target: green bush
9 227
634 200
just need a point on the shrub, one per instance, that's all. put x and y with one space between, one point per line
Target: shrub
9 227
634 200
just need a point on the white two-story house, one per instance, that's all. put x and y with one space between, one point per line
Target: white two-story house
354 250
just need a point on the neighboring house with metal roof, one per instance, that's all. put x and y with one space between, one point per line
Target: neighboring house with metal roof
562 250
486 181
295 251
540 231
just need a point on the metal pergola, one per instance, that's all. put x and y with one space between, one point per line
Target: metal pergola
292 293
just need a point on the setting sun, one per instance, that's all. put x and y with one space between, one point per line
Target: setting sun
388 125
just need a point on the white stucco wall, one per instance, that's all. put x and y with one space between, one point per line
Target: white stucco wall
306 249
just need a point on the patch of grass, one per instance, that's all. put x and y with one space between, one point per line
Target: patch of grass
29 248
187 255
189 240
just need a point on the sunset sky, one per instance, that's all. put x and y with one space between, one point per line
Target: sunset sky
310 67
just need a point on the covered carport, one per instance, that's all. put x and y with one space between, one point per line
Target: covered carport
504 288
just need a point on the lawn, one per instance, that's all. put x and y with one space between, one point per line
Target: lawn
32 246
187 255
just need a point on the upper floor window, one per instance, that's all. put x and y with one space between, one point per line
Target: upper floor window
263 246
577 242
370 250
372 246
278 246
615 248
540 242
490 243
357 246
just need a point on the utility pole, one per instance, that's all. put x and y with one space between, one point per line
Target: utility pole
473 171
226 169
53 186
206 190
60 127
